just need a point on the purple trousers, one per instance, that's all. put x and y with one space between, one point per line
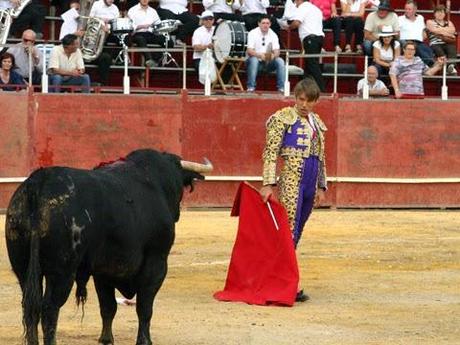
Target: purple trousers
307 191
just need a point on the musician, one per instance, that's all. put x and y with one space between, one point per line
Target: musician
107 11
202 37
31 17
224 9
309 20
66 66
70 20
264 55
143 17
177 9
21 52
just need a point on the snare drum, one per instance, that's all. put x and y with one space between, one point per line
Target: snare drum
230 40
122 26
166 26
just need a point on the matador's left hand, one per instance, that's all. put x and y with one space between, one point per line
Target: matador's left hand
319 198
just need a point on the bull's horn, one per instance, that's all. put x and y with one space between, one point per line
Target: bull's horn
197 167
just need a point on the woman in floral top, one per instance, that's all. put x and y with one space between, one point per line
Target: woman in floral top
407 70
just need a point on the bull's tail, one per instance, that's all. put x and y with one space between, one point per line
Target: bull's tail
32 293
32 286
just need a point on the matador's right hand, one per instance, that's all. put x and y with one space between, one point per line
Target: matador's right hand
266 192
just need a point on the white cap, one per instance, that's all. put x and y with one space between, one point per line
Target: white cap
207 14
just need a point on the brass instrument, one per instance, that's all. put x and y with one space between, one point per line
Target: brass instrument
229 2
93 40
6 18
94 37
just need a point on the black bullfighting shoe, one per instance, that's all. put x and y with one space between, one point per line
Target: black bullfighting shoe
301 297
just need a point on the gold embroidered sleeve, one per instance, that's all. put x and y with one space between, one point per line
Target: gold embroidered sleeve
273 141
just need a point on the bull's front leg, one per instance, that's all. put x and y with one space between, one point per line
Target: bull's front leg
152 276
108 309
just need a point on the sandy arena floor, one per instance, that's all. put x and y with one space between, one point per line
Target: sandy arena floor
374 277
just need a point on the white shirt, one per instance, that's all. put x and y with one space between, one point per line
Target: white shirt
201 36
411 30
175 6
354 8
255 6
289 10
386 55
141 16
311 20
220 6
60 60
102 11
378 85
259 41
70 24
5 4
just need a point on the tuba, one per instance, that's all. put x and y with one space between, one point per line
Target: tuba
93 40
6 18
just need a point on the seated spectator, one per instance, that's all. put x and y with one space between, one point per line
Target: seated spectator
202 37
353 22
7 75
406 72
66 66
143 17
412 28
222 9
384 16
443 37
70 20
376 87
177 9
385 50
264 55
331 19
21 55
31 17
372 4
437 3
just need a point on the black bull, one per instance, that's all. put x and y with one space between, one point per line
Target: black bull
115 223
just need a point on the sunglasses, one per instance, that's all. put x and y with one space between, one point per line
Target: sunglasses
263 41
28 40
208 18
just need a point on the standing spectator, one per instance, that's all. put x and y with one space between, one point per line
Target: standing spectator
443 37
437 3
143 17
296 134
353 21
376 87
374 23
21 55
177 9
406 72
31 17
253 10
223 10
66 65
264 54
309 20
202 37
7 74
385 50
412 28
331 19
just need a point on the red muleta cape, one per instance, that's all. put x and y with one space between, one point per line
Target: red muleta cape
263 268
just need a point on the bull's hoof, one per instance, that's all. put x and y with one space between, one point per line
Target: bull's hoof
301 297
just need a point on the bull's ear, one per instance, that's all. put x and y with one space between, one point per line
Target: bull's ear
190 177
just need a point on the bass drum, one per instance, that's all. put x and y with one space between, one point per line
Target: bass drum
230 40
